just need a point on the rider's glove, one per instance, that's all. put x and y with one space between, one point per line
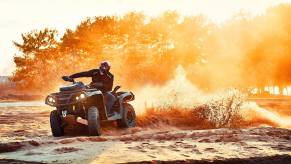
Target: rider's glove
67 78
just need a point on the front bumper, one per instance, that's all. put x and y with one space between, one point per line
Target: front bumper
72 119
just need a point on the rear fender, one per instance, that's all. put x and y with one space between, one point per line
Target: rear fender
125 97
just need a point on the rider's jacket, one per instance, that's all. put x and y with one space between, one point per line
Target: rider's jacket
105 79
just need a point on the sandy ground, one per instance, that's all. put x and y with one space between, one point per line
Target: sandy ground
9 93
25 136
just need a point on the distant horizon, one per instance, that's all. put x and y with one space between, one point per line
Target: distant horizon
31 15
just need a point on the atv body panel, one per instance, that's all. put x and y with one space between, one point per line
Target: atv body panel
76 99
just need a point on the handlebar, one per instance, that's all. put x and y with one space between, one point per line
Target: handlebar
91 85
67 78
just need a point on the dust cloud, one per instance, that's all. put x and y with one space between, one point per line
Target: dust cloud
181 103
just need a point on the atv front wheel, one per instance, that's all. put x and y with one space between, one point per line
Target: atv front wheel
94 122
55 122
128 119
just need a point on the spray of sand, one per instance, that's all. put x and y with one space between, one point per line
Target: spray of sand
255 115
181 103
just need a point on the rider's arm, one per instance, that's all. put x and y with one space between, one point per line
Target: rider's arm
82 74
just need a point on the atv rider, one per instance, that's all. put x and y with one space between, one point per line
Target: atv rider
102 79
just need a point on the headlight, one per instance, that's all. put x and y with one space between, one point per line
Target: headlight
51 100
82 96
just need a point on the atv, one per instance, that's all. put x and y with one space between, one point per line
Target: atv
86 105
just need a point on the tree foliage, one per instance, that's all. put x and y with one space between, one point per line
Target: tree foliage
244 51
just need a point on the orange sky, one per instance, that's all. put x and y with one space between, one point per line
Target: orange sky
19 16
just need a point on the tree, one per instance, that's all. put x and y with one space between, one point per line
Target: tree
37 49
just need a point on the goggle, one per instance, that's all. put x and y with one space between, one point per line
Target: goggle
104 68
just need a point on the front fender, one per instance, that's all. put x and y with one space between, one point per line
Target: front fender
96 99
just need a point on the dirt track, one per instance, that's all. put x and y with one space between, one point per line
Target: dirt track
25 135
164 145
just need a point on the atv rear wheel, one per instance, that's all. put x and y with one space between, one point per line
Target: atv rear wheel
55 121
128 119
94 122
